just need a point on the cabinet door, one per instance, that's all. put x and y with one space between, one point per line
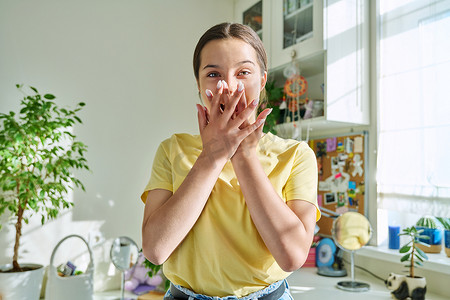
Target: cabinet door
345 39
257 15
296 25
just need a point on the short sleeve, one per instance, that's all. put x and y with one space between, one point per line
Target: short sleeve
161 176
302 182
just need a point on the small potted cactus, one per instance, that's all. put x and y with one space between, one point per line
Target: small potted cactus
433 229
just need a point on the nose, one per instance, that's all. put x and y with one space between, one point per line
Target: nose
232 83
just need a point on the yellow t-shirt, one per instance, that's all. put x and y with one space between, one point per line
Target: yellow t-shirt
223 254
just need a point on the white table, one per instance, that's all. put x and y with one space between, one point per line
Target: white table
306 284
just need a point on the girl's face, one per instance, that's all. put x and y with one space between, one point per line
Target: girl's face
232 60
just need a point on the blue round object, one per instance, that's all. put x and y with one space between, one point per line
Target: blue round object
325 252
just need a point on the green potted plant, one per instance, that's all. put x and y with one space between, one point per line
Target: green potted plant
446 224
433 229
274 96
411 285
412 254
38 153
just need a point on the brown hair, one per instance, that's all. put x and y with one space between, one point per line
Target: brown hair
228 31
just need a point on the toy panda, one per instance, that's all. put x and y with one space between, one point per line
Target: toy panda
403 287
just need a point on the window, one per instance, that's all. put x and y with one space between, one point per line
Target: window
413 164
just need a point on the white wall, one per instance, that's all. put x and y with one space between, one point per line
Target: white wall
131 62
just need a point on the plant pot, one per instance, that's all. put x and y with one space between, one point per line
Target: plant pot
447 242
417 286
435 240
402 286
21 285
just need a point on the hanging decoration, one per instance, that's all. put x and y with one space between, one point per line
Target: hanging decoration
295 88
293 106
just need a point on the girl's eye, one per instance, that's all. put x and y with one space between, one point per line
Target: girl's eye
212 74
244 73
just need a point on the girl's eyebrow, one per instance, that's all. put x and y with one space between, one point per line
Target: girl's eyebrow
210 66
238 64
244 62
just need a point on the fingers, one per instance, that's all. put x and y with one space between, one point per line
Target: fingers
263 115
245 114
262 119
227 106
242 104
238 97
202 117
214 98
259 123
223 101
207 114
226 89
209 96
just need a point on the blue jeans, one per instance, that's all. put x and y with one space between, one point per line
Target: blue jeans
286 296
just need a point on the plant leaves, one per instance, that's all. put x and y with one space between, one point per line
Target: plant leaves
34 170
405 249
18 137
405 257
421 253
418 256
422 243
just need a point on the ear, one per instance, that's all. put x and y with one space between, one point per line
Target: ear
263 81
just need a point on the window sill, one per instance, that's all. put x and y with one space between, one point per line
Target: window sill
382 261
437 262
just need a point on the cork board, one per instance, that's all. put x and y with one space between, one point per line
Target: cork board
341 162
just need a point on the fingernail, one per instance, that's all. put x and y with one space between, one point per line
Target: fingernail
260 122
240 86
255 102
208 93
270 111
219 84
225 84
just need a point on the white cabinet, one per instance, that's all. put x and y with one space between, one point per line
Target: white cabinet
246 12
330 39
296 26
